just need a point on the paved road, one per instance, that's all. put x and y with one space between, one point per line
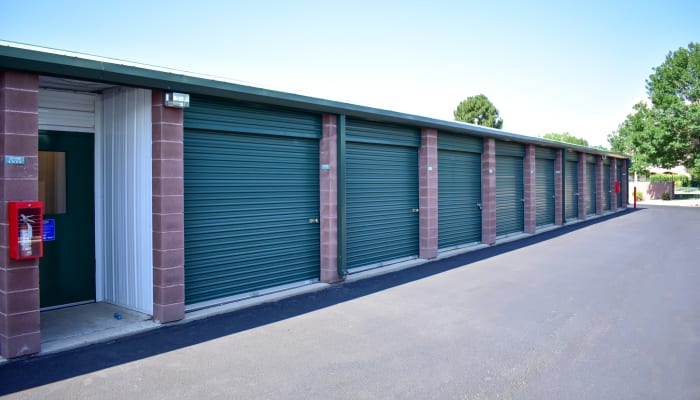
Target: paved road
606 310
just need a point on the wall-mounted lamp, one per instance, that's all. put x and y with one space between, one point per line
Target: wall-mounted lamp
177 100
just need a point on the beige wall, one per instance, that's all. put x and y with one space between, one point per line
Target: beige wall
652 191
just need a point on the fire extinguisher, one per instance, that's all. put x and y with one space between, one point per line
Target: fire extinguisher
25 235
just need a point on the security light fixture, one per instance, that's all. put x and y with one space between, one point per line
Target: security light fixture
177 100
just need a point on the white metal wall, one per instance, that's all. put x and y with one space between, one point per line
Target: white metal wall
124 241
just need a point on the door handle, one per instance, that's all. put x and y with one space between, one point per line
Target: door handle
415 210
314 220
479 205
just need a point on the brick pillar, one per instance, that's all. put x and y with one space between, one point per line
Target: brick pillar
558 189
530 180
624 185
582 189
613 179
600 194
168 212
328 180
488 192
428 192
19 280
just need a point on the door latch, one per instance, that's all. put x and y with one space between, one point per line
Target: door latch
479 205
415 210
314 220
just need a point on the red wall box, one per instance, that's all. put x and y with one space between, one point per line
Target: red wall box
26 225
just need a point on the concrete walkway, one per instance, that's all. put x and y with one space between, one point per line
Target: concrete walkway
606 309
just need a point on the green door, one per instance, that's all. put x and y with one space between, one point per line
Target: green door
66 186
510 190
544 191
381 193
619 179
571 190
607 189
251 181
459 190
590 188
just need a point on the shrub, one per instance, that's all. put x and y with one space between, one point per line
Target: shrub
678 180
640 195
661 178
665 196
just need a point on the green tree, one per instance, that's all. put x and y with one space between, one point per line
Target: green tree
667 131
566 137
637 136
478 110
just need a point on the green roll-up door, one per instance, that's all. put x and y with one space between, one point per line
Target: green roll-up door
381 193
544 191
619 179
544 165
249 199
459 190
571 190
510 206
607 189
590 188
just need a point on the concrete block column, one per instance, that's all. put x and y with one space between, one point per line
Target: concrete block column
428 193
168 211
559 189
600 194
530 182
613 179
19 279
582 187
328 179
488 192
624 186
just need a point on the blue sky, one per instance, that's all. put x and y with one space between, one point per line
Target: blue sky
548 66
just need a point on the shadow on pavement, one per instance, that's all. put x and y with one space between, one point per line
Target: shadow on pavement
39 370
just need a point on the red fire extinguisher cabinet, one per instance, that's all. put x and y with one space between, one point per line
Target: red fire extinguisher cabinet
25 220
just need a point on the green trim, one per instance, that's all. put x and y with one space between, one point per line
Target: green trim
341 163
79 66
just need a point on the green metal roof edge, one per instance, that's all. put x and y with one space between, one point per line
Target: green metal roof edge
77 66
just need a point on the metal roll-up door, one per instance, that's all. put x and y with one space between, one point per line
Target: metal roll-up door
382 219
510 206
619 179
251 199
571 190
545 202
607 188
590 188
459 190
545 191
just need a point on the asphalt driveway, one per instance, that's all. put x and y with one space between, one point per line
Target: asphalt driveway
608 309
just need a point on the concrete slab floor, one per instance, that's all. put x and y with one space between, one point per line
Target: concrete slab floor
76 326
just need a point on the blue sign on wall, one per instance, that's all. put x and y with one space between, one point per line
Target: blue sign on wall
49 230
